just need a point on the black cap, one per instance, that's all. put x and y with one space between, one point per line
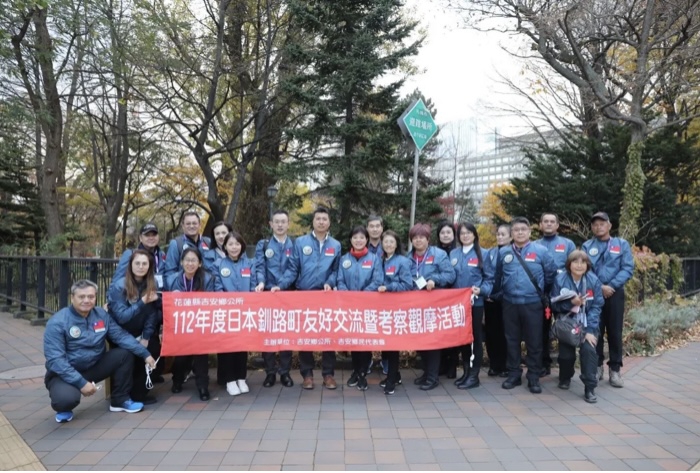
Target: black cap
149 228
601 216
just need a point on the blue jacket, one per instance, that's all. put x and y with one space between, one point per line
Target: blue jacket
435 266
594 298
74 343
135 317
468 273
559 247
211 258
312 265
158 255
397 274
612 260
174 253
364 274
176 282
272 262
512 279
235 276
377 250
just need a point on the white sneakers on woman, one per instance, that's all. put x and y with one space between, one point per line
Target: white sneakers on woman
235 388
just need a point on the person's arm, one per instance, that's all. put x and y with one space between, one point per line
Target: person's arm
120 272
55 350
562 306
292 271
122 338
596 306
260 263
218 281
119 308
253 275
333 276
445 275
377 275
549 268
341 280
172 260
487 275
626 266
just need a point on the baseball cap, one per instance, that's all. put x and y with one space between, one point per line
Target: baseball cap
148 228
601 216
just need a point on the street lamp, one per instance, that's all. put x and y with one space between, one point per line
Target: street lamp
271 193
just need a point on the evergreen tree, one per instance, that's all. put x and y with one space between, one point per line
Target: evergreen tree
350 140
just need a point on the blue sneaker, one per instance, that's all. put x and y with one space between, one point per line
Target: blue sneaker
63 417
127 406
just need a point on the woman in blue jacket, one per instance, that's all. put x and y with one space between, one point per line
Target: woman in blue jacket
235 273
396 270
216 252
430 269
359 270
192 277
587 302
472 269
134 304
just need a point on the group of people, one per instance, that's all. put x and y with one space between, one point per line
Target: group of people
511 284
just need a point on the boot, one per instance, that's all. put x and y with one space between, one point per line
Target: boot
464 376
471 381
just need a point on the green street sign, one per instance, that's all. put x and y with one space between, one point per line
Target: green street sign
417 123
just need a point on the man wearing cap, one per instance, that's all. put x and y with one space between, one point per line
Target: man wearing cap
148 241
271 260
190 238
614 265
76 355
559 248
523 270
313 267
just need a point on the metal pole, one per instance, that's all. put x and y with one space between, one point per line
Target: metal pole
414 190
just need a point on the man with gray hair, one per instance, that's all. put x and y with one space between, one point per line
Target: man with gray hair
77 357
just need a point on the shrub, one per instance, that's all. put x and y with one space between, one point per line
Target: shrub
648 325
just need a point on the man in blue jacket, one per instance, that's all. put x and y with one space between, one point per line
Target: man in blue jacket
271 260
614 265
314 267
523 302
76 355
190 237
560 248
148 240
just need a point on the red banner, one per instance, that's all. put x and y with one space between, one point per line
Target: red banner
218 322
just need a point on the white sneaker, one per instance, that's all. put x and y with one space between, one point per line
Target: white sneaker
233 388
243 386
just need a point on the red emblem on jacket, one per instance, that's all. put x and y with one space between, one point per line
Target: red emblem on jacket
245 272
560 248
531 257
329 252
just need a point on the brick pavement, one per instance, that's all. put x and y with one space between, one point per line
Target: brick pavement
651 424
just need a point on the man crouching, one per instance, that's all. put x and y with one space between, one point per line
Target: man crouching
77 358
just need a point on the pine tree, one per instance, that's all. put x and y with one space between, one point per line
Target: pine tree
349 139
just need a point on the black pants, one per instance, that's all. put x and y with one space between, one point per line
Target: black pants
611 319
232 366
392 358
154 348
495 336
116 362
199 364
589 362
306 362
360 361
138 388
524 322
270 359
478 344
431 364
546 345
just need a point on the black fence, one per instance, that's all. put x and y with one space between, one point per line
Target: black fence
691 276
42 284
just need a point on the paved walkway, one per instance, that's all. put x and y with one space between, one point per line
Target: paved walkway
651 424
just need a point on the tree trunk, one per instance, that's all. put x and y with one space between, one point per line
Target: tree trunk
633 189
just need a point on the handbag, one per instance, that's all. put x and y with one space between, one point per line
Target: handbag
568 329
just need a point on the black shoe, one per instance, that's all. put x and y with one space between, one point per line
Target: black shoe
589 396
385 381
534 387
286 380
177 388
564 384
545 371
270 380
157 379
354 378
462 378
389 389
420 380
470 383
510 383
148 400
428 385
204 394
362 383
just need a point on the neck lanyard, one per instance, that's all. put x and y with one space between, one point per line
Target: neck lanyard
188 288
422 262
519 250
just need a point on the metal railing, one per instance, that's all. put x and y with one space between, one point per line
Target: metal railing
43 283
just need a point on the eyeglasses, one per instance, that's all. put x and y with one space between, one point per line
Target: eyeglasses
83 297
187 260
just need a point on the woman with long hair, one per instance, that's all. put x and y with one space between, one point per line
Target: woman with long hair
359 270
235 273
474 271
430 269
216 251
135 305
192 277
396 270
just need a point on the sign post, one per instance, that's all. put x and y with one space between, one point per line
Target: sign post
417 123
